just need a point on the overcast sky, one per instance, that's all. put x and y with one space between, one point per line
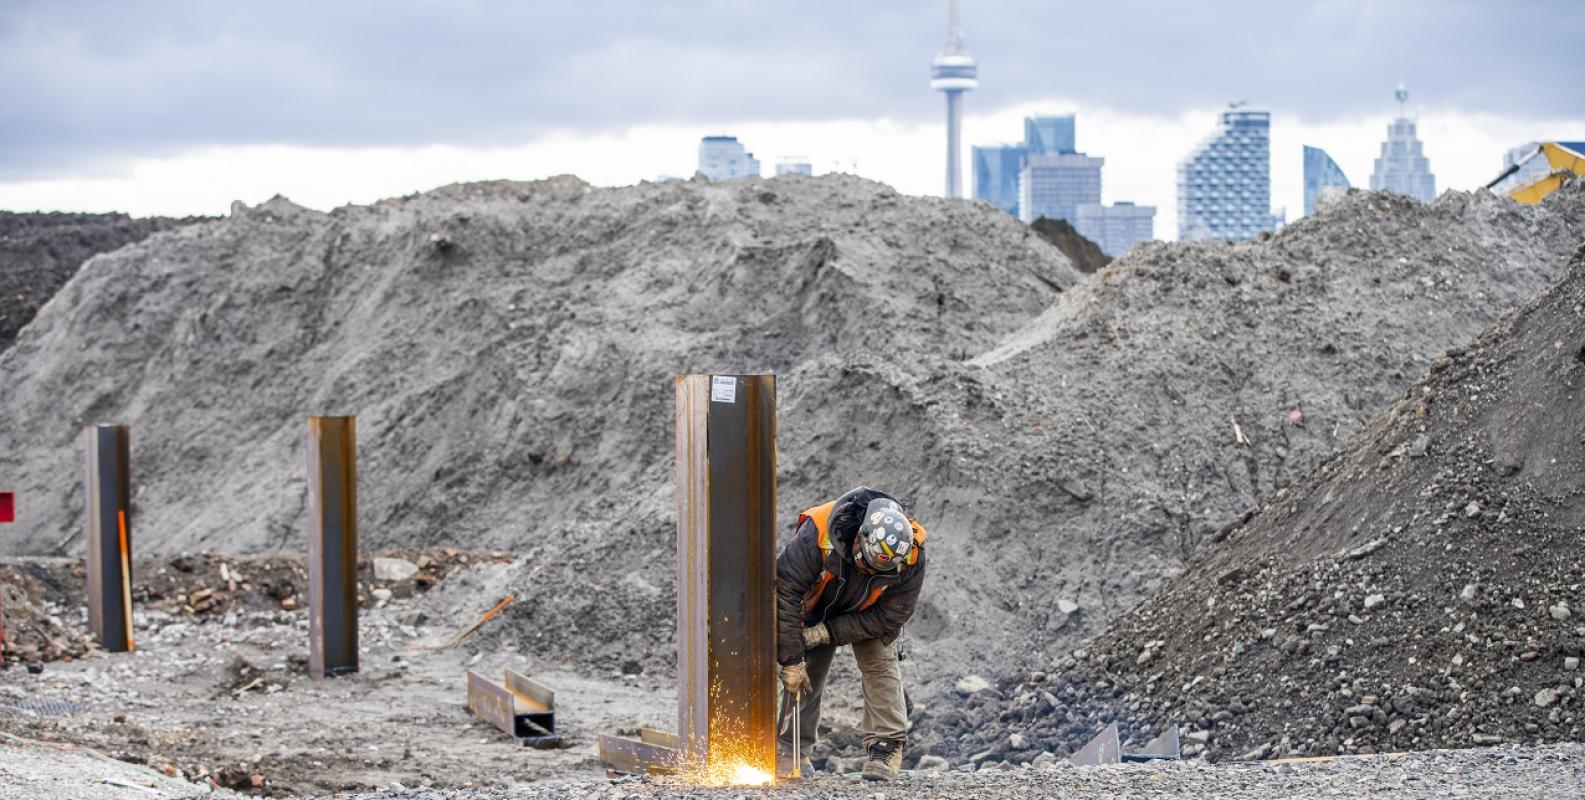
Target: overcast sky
171 106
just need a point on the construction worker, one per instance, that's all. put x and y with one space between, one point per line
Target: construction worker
850 576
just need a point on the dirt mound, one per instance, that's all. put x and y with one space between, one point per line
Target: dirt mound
1085 254
508 349
39 253
1419 590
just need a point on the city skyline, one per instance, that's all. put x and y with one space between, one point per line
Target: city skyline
216 130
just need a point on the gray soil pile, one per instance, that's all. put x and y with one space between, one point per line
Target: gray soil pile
508 349
39 253
1419 590
1085 254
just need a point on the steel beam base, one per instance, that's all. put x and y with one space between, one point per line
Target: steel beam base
522 708
653 753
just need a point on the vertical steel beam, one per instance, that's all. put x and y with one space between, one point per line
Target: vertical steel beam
107 491
726 570
332 546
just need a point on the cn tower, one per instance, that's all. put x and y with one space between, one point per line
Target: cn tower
953 72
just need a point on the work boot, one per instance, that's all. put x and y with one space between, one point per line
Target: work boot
886 760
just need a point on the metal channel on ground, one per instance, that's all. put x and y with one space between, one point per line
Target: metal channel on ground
521 707
726 570
640 756
332 546
107 490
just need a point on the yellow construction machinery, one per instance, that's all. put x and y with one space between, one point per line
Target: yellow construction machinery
1541 172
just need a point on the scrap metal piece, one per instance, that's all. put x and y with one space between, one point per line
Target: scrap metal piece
1105 748
1162 748
726 570
332 546
107 489
643 756
522 707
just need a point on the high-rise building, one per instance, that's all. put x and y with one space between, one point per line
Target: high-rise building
953 72
1402 168
1054 185
995 171
997 168
794 166
1320 171
1050 134
1224 186
1116 228
722 158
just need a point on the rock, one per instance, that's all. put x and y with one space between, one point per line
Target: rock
1486 738
1144 657
979 759
931 764
289 603
1546 697
1066 606
1371 601
1468 595
1198 737
414 618
1517 602
394 569
381 594
1472 510
972 684
1418 447
1397 725
1017 741
1571 663
1043 760
1559 612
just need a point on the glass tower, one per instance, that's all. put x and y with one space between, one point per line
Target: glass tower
1320 171
1402 167
996 175
1054 185
1050 134
1224 186
722 158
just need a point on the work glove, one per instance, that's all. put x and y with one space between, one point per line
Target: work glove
795 678
817 636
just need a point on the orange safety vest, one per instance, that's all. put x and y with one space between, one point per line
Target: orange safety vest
821 516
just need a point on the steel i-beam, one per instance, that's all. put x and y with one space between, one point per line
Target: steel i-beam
332 546
107 490
726 571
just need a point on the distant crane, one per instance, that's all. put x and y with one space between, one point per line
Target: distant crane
954 72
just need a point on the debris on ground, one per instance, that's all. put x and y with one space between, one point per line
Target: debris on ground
1085 255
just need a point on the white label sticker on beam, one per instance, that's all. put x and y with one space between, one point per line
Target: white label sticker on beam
723 389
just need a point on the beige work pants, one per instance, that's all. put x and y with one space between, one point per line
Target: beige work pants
885 712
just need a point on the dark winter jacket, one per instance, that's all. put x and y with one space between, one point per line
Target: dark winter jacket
812 587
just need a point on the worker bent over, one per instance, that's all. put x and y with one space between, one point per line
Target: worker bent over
850 576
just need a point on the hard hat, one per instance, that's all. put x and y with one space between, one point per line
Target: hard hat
885 536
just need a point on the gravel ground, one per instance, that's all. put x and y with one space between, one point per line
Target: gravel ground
1544 772
31 770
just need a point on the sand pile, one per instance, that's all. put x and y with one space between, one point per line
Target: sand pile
508 349
1419 590
1085 255
40 252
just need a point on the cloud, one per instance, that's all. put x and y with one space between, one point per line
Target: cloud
93 86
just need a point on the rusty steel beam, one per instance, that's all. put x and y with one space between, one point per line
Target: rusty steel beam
8 513
622 756
107 491
726 570
521 707
332 546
